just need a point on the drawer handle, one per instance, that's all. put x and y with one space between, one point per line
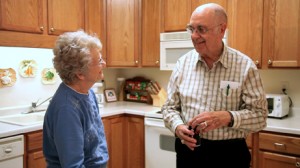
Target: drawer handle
279 145
297 164
8 150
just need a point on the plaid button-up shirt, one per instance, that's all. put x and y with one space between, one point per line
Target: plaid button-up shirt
232 84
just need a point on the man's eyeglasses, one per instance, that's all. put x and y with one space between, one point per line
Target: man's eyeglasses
201 29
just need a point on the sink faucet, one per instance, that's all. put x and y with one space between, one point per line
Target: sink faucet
34 105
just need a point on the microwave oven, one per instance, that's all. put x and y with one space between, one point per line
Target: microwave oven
174 45
278 105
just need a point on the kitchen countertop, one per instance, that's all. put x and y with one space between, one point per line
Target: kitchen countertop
108 109
289 124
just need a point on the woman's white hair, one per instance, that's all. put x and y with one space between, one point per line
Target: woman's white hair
72 54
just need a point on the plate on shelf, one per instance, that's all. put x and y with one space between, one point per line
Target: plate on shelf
28 68
7 77
49 76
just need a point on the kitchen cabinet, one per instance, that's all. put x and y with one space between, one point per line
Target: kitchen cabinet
61 20
33 155
281 35
135 152
279 150
173 20
245 21
116 142
36 23
24 23
125 139
252 143
32 16
151 21
261 30
134 28
123 37
95 19
176 14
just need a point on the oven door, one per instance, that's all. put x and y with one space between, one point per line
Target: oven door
159 144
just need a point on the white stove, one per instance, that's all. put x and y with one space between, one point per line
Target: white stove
154 114
159 142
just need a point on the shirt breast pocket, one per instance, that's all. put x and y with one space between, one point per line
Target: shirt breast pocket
230 93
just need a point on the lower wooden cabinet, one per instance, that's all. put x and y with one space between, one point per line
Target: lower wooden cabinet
249 142
33 157
135 152
126 145
273 160
114 131
279 150
125 140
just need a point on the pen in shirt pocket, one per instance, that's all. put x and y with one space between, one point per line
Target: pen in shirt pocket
227 90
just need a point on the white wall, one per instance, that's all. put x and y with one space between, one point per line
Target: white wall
27 90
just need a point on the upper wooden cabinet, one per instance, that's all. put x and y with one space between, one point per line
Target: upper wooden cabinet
177 13
281 34
123 33
65 15
245 21
133 28
151 19
36 23
95 19
22 16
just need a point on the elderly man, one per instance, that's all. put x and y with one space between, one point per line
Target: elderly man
214 92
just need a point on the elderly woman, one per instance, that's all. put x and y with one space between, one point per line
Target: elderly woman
73 134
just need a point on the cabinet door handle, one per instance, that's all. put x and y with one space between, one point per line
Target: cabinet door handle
279 146
136 62
8 150
270 62
52 29
156 62
42 28
256 62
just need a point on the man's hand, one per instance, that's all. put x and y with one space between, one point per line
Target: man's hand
186 136
208 121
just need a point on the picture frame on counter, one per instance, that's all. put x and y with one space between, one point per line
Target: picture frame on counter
110 95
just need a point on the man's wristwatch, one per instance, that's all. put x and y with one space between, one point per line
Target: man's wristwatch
231 119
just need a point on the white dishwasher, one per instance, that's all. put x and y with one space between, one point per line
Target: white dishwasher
11 152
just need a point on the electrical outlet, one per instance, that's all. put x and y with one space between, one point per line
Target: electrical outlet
284 85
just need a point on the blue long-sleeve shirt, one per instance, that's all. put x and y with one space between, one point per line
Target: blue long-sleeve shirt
73 133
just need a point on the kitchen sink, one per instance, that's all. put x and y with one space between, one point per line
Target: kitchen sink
24 119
